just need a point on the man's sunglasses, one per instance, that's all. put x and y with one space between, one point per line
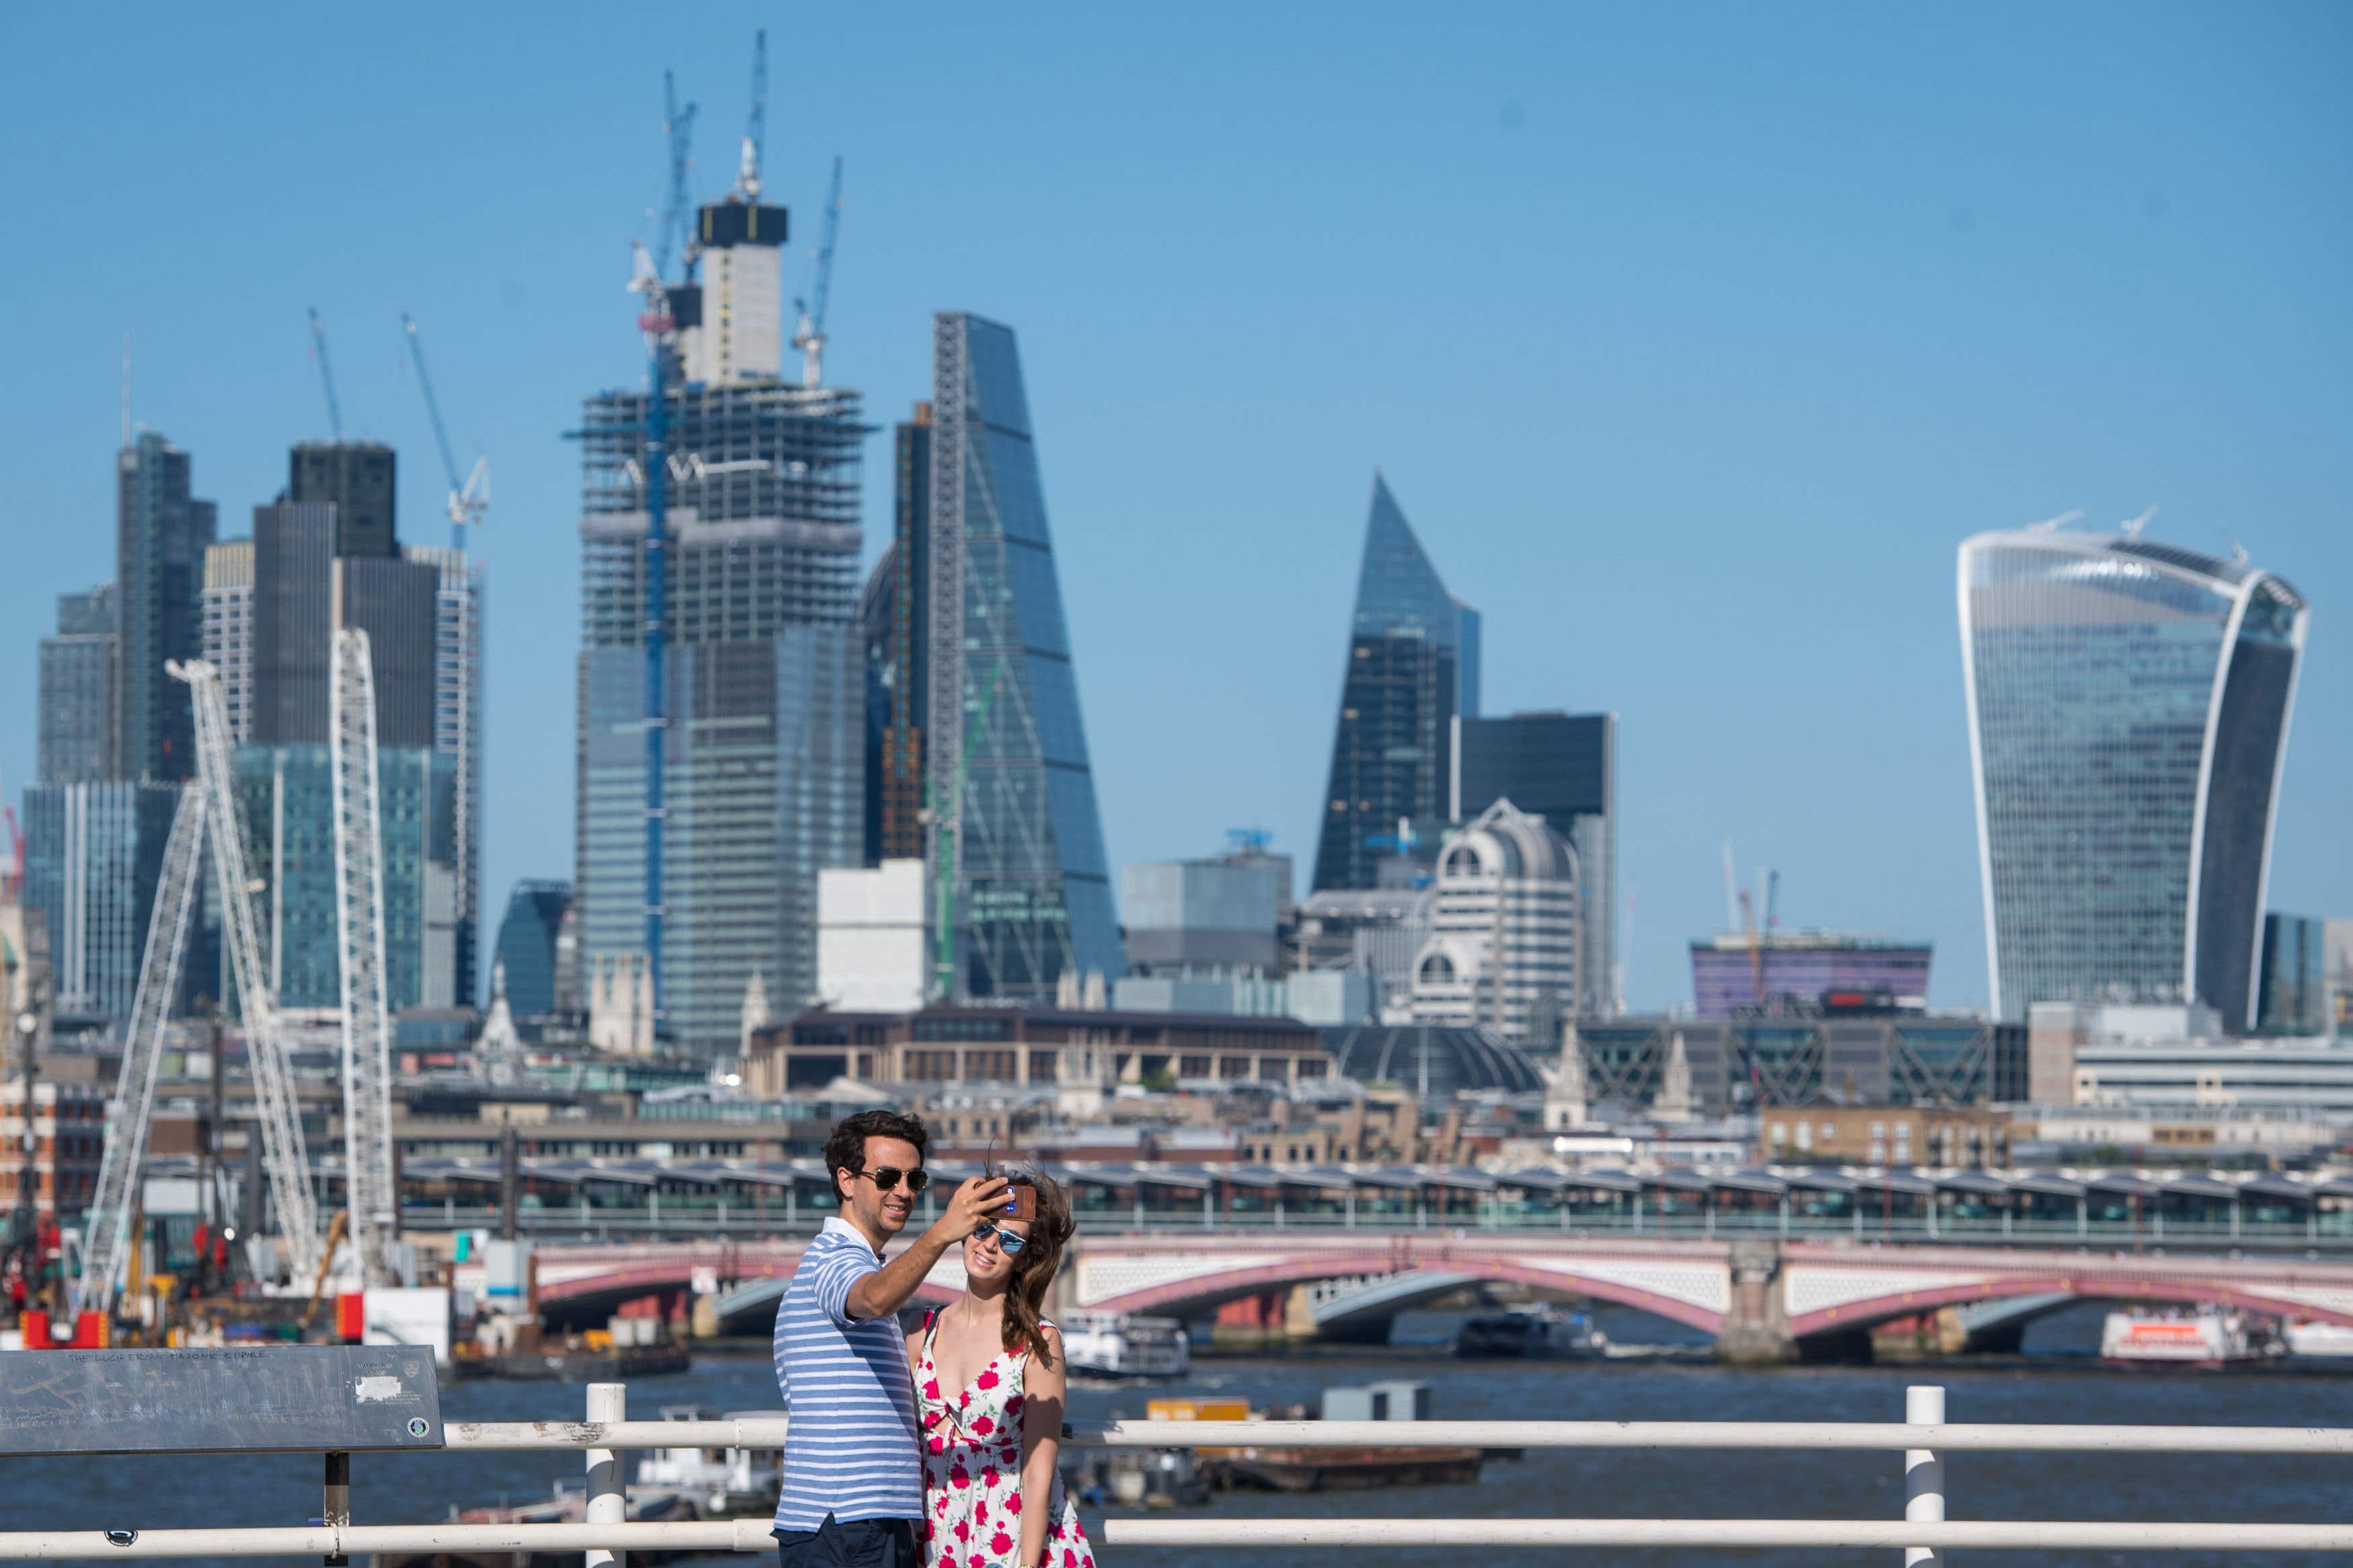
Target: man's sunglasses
887 1176
1006 1240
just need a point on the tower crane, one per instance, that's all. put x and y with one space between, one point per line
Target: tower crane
656 323
284 1156
107 1233
327 373
756 129
372 1196
206 809
677 218
949 815
809 338
469 499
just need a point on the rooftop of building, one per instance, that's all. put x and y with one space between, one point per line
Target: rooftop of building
1807 940
1431 1060
1057 1018
2128 542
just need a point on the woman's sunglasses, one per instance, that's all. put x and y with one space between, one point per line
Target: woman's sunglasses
887 1176
1010 1243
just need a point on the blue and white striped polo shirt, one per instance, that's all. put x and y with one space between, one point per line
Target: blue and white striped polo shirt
851 1449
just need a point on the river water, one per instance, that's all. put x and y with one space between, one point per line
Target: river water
2057 1384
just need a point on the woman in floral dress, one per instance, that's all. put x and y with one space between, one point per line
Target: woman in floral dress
989 1384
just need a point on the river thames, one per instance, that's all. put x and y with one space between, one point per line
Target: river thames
2059 1384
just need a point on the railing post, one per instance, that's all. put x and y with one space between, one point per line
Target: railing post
608 1503
336 1515
1923 1472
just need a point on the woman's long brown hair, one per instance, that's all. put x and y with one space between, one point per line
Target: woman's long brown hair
1035 1264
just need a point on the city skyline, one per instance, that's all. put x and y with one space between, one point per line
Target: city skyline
1923 354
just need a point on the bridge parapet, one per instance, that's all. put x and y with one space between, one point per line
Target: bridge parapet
1758 1298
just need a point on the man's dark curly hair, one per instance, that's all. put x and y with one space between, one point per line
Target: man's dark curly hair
845 1147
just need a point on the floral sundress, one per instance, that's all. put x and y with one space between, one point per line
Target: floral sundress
972 1471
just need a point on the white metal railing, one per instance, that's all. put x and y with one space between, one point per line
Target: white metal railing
1923 1437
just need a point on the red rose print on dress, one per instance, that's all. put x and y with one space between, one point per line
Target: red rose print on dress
972 1477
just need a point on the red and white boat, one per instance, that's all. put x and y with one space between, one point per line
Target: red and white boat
2204 1337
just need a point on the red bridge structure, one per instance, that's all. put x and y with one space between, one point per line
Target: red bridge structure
1761 1299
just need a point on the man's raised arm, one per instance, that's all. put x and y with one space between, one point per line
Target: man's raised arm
892 1286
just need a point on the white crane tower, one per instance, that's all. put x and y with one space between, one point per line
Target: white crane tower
108 1232
207 809
373 1197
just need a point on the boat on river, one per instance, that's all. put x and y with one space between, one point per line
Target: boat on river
1120 1344
1531 1333
2206 1336
721 1482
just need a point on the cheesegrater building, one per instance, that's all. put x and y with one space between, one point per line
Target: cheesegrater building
2128 707
764 685
1023 866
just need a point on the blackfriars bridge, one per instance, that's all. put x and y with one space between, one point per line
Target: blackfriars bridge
1758 1296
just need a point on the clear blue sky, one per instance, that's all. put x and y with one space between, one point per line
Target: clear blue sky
1692 341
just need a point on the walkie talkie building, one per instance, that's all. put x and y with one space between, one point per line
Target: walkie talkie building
2128 708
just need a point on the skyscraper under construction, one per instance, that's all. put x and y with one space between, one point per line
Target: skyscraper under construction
763 688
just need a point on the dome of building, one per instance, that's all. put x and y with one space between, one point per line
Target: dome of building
1433 1061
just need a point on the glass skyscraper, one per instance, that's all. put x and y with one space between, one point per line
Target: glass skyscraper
1413 667
527 947
77 690
763 773
2128 708
1001 732
286 797
93 854
161 532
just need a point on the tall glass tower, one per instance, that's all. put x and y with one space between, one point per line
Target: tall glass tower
2129 712
1413 667
1023 876
764 678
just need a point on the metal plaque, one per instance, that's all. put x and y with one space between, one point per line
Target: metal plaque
298 1399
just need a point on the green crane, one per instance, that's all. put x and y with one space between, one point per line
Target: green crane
951 824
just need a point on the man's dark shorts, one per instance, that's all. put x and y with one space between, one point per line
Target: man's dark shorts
860 1543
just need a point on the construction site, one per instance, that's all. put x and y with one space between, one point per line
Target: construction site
721 551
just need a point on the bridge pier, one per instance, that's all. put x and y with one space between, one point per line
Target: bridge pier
1757 1327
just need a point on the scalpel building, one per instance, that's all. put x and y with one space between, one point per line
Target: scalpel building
2129 708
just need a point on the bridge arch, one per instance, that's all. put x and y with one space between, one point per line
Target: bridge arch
1204 1293
2061 1292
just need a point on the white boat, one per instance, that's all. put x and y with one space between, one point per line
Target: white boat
721 1483
2205 1337
2319 1340
1115 1344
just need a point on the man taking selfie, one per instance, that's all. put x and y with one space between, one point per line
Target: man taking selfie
853 1486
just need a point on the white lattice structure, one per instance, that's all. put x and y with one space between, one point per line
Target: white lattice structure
369 1184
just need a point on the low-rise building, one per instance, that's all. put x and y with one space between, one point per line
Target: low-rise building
1941 1136
68 1142
1865 1058
1056 1047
